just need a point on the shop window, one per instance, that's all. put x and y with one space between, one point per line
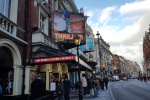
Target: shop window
8 85
5 7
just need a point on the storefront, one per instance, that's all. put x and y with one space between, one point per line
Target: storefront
56 67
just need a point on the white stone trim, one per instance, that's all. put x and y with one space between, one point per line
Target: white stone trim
17 84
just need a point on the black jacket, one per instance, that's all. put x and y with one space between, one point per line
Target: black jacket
37 88
66 85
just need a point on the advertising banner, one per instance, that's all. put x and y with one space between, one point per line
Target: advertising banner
89 46
67 25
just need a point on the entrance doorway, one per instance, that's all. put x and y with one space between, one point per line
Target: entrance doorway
6 71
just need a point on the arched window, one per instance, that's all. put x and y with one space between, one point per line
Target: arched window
6 59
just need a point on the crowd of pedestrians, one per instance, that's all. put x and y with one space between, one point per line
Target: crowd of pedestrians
89 85
92 85
144 78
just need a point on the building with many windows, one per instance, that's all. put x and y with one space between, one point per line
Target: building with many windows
31 43
146 52
13 44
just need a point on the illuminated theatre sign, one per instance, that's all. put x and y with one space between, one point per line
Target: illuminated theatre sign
53 59
67 25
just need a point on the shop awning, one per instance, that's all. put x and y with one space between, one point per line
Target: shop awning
92 63
83 63
59 59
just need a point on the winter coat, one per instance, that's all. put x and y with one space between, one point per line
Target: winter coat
66 85
84 82
91 83
60 90
37 88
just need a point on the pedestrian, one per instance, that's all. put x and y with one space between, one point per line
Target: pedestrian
1 91
60 90
87 89
84 84
66 88
145 78
91 87
101 80
96 86
106 80
37 88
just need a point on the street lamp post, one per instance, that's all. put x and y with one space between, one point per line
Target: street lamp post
98 34
77 42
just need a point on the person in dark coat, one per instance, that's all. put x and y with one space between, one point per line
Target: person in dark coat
1 91
145 79
106 80
91 86
66 88
101 80
37 88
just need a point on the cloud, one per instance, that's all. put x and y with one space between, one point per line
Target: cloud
125 36
105 14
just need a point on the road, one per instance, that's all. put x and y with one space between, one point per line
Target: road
130 90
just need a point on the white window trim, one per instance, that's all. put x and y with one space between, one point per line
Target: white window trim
45 22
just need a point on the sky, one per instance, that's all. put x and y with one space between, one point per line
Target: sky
121 23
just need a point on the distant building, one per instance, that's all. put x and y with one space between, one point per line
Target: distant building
146 52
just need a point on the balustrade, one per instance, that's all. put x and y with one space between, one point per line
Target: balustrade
7 25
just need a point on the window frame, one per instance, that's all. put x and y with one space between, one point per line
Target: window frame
45 16
6 8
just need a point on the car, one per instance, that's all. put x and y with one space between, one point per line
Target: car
125 78
116 78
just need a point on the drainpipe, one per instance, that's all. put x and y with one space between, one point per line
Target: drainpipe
24 49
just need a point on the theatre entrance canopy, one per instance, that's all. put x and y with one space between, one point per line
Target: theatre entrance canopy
59 59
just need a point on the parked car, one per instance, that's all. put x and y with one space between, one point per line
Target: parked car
116 78
133 77
125 78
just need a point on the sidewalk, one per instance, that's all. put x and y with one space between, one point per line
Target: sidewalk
103 95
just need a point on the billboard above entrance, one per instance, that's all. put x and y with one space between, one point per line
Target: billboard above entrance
67 25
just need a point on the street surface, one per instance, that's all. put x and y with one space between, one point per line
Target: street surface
130 90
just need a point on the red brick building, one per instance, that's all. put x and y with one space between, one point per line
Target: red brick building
116 64
146 52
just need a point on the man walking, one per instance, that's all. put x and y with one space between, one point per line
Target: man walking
66 88
37 87
145 79
106 82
